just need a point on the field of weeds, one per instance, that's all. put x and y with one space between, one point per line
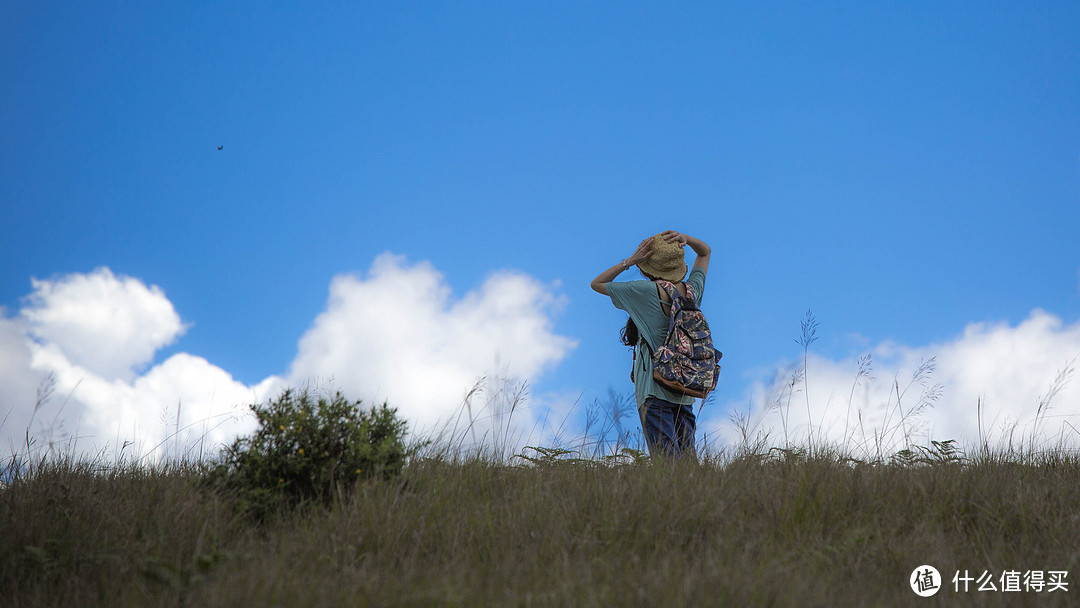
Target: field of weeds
327 505
778 528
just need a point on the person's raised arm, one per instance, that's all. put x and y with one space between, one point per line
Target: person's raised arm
599 284
701 250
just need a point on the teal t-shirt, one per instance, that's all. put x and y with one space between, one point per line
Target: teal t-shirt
641 300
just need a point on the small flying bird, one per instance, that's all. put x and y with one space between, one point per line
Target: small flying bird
220 147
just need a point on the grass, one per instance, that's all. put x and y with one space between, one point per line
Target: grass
781 528
584 522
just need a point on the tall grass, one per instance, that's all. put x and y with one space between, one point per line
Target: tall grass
477 519
781 528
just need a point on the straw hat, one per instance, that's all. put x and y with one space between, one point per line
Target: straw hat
666 261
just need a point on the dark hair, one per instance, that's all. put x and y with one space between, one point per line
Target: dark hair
629 334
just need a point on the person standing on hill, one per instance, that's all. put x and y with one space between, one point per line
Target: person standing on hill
667 417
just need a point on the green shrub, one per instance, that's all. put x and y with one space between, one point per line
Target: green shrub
307 448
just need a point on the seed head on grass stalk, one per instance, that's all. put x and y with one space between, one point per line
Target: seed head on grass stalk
798 375
485 426
929 395
808 336
1060 380
866 370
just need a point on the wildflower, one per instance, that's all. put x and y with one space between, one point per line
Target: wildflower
301 451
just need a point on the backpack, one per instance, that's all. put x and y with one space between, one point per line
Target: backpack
687 363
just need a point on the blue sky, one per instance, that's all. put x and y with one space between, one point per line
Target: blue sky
909 171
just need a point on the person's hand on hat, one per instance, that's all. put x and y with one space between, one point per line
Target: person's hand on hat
673 236
642 253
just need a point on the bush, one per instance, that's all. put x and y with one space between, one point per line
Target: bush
306 449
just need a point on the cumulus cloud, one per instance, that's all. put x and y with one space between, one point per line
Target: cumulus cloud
77 361
399 335
72 366
106 324
183 404
985 385
18 380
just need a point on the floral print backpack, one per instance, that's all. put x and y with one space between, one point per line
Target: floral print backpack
687 363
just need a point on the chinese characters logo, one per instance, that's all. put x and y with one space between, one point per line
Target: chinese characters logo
925 581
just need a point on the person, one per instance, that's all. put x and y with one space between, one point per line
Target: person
667 417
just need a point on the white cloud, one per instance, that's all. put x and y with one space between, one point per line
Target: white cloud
109 325
183 404
18 382
984 385
398 336
83 339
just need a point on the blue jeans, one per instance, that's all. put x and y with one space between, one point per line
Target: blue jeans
668 427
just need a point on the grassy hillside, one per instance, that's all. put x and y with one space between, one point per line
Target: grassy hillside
779 528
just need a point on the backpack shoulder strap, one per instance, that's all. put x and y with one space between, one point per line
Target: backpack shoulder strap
673 294
669 287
